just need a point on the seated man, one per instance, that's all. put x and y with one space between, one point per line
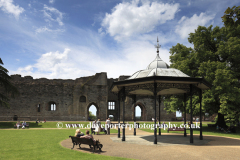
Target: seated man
24 124
88 136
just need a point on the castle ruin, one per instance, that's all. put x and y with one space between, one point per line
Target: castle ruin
69 100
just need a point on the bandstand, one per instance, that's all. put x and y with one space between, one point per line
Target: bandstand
156 80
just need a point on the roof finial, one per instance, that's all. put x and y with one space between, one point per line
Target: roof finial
157 46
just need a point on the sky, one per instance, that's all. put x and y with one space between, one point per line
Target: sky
75 38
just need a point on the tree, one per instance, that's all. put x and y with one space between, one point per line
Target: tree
216 57
91 115
7 89
231 17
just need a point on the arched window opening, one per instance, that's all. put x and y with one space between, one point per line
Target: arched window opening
82 99
111 105
138 113
92 113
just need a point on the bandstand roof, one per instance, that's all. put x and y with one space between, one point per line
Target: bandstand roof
168 80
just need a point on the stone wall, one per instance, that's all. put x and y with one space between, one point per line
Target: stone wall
73 99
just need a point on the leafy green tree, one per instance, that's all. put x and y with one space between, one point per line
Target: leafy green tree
92 116
7 89
232 17
216 57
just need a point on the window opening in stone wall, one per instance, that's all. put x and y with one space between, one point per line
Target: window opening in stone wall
38 107
111 105
52 107
92 113
82 99
138 113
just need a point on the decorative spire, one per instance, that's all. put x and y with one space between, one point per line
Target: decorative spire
157 46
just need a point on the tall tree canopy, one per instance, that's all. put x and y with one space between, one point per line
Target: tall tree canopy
216 57
7 90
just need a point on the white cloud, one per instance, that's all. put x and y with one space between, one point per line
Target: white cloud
51 1
85 61
137 17
50 65
88 55
8 7
46 29
53 15
42 29
188 25
51 60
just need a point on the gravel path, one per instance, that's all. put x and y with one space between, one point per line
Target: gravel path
170 146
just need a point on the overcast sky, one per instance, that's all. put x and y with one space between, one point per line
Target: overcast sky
73 38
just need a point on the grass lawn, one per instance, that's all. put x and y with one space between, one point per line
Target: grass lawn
45 143
42 125
40 144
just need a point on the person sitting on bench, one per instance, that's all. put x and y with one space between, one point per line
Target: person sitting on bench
24 124
88 136
18 124
78 133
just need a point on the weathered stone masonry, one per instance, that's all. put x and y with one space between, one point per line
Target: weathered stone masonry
72 99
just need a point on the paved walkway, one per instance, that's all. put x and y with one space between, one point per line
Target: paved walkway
170 146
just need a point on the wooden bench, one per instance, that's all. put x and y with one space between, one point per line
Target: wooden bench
90 142
175 129
20 126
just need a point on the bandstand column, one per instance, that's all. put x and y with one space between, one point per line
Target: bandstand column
200 97
185 117
155 99
123 100
159 104
119 104
191 130
134 101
